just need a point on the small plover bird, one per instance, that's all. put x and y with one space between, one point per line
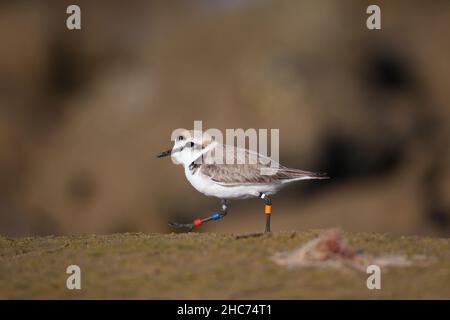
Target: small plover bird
239 179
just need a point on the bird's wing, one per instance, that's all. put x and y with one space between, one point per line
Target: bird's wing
248 167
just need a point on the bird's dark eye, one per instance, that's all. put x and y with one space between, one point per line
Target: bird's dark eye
180 138
190 144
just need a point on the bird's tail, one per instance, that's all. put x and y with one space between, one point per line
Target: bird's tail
296 174
316 175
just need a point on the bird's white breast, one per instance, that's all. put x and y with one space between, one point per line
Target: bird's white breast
208 187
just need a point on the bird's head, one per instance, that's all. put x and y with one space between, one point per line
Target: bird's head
188 147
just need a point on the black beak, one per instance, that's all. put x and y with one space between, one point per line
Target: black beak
164 153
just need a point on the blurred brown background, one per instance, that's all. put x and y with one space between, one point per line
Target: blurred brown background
83 113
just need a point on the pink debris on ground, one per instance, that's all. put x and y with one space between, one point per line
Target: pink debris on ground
331 249
331 244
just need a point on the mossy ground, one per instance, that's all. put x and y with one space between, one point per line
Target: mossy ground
210 266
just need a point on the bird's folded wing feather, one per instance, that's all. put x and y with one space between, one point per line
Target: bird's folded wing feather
244 171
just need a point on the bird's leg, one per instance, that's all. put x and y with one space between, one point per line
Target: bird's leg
198 222
267 210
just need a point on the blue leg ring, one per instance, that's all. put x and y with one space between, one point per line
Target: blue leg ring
215 216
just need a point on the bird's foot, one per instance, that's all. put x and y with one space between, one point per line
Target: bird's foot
176 225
